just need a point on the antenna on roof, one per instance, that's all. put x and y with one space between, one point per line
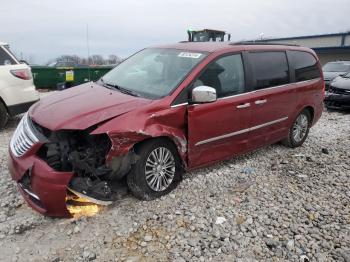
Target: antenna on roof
88 50
261 36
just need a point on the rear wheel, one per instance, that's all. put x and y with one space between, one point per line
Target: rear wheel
157 172
299 130
3 115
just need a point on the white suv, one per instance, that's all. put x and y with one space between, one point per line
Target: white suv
17 90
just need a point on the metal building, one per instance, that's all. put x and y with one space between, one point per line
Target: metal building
329 47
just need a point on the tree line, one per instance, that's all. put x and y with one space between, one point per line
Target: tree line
92 60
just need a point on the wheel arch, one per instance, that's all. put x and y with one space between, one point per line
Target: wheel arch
3 102
126 142
170 139
311 110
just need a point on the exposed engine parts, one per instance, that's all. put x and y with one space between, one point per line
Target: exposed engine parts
85 155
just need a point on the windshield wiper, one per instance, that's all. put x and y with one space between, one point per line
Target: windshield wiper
120 89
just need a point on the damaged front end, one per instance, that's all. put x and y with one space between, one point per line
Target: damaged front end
85 155
55 167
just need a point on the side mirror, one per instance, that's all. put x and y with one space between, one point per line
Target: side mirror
203 94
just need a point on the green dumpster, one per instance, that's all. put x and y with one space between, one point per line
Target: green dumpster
51 77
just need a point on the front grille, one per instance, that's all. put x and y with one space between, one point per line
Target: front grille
339 91
24 138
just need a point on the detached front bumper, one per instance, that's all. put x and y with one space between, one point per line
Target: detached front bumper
337 101
43 188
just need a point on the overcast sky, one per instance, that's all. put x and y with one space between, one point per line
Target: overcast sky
45 29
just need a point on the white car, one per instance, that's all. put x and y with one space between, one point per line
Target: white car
17 90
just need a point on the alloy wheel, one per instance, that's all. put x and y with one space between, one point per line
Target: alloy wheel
160 169
300 127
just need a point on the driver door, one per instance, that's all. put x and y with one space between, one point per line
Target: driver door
219 129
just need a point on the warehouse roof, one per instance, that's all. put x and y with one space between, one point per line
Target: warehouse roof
307 36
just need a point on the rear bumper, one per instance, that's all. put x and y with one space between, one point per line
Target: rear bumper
47 189
337 101
20 108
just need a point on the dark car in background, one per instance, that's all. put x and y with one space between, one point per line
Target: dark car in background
333 69
338 95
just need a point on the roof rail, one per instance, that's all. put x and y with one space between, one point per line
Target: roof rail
260 43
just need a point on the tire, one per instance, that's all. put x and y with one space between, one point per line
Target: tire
3 116
299 130
145 187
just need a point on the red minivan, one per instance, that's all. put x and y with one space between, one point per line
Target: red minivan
164 110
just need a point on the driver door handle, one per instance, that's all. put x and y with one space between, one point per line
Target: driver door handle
243 105
259 102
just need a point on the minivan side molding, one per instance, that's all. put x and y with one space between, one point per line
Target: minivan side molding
239 132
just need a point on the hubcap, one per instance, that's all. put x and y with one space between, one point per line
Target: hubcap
300 127
160 169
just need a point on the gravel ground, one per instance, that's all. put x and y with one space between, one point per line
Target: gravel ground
275 204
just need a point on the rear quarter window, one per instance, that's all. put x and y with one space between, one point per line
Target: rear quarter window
269 69
5 58
304 65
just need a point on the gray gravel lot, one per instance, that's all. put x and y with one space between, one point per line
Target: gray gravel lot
275 204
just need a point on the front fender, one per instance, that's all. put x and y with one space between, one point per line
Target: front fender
131 128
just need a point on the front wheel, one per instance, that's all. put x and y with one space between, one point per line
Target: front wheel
299 130
157 171
3 115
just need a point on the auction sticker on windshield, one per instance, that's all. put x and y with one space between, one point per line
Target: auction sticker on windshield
189 55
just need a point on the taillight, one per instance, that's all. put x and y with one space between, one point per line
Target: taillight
24 74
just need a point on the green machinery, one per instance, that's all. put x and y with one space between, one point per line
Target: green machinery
63 77
207 35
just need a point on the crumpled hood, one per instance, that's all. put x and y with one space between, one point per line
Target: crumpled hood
328 76
82 106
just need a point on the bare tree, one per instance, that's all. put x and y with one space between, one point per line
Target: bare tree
96 60
113 60
92 60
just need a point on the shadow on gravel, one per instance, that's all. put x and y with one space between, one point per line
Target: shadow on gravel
333 111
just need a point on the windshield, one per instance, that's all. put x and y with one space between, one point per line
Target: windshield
336 67
153 73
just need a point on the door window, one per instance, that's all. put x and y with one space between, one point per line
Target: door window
5 59
269 69
226 75
304 65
